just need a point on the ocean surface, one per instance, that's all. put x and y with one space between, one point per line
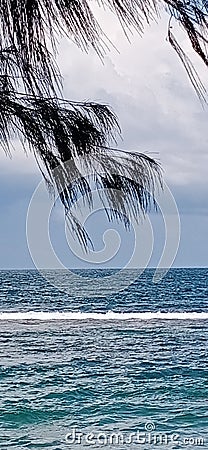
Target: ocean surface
125 371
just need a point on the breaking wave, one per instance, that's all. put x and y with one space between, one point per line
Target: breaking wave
110 315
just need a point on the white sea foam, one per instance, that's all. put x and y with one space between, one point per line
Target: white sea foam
110 315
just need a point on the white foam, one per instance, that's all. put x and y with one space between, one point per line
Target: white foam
110 315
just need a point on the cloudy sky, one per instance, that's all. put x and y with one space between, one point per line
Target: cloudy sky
159 113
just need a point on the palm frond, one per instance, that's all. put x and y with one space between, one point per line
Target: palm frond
189 67
192 16
27 28
71 142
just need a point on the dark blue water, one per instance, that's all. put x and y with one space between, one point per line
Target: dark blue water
180 290
110 383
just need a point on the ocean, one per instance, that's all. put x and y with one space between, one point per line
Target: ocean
123 371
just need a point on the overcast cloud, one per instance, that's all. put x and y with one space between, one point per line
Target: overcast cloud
158 109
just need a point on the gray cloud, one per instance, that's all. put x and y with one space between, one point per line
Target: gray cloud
149 90
159 112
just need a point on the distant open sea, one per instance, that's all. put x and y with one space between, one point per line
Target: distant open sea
127 371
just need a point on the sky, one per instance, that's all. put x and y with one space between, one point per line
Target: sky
159 113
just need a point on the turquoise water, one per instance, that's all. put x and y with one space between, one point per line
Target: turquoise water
121 379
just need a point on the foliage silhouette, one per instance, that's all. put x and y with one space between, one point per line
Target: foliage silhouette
59 131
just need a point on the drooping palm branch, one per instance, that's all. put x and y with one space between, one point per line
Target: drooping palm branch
27 26
72 142
59 131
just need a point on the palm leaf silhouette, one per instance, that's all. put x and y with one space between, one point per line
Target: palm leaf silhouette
60 131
